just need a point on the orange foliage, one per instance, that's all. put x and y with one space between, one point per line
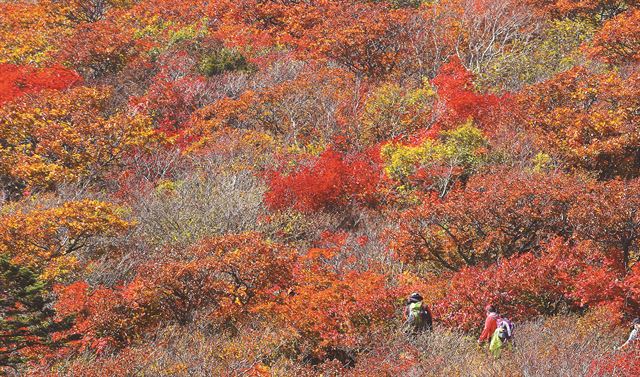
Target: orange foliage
54 240
528 200
618 41
335 308
588 120
225 279
62 136
304 110
29 32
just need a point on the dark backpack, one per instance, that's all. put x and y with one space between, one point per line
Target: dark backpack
418 317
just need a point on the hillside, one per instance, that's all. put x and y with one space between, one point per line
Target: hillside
255 187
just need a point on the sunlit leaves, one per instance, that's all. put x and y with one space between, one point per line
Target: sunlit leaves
65 136
57 241
437 164
18 80
588 119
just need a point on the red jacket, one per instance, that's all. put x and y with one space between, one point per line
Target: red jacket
490 325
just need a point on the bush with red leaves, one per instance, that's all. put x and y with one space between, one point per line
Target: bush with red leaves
331 182
18 80
623 364
459 99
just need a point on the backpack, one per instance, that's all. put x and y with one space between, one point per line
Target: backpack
418 317
505 329
415 315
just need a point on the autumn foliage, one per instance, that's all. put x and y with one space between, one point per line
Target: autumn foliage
332 181
20 80
254 187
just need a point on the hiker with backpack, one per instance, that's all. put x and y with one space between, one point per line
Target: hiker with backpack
502 337
490 324
498 331
417 315
635 334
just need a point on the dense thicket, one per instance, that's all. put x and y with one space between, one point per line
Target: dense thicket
252 187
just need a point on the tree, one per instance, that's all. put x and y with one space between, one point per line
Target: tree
227 280
392 112
53 241
368 38
458 98
334 310
82 11
617 42
437 165
531 59
488 28
497 215
112 47
27 321
597 10
587 120
305 111
29 33
65 136
522 286
608 214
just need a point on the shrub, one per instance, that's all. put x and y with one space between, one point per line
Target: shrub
224 60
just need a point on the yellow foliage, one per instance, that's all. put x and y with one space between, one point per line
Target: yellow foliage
29 33
463 146
64 136
556 49
392 111
47 240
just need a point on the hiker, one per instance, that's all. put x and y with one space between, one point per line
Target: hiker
502 337
490 324
498 331
635 333
417 315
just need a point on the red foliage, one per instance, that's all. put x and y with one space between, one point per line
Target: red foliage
622 364
588 120
522 287
172 101
96 315
332 181
607 214
559 278
16 81
110 49
496 215
458 98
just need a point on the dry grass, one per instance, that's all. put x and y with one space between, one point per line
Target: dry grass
559 346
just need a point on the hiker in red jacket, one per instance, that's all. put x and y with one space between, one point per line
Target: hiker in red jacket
490 324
